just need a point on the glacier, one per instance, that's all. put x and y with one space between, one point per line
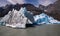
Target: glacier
45 19
17 19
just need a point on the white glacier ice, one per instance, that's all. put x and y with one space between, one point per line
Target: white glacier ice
17 19
45 19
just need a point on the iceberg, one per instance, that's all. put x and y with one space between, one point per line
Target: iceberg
45 19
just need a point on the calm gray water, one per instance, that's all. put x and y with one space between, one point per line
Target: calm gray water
42 30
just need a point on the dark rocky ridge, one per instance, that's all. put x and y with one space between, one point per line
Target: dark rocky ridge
29 7
54 10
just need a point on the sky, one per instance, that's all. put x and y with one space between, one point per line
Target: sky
34 2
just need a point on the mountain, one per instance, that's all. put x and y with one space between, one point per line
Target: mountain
6 9
41 7
54 10
17 7
32 8
45 19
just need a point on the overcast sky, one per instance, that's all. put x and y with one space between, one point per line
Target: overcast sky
34 2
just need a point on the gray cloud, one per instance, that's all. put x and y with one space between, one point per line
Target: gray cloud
16 1
35 2
3 2
46 2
